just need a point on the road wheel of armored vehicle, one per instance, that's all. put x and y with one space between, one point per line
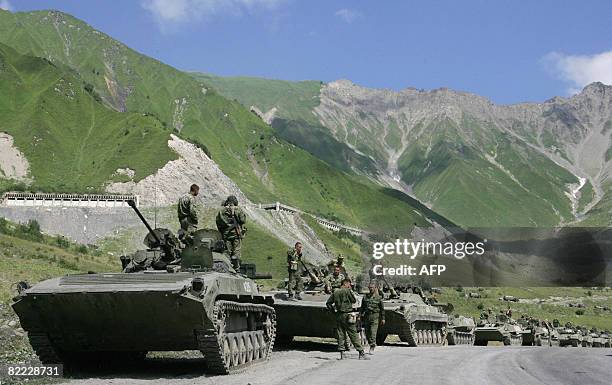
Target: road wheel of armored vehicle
249 348
227 349
575 344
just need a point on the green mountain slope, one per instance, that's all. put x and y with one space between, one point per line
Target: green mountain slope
71 140
247 150
476 163
293 100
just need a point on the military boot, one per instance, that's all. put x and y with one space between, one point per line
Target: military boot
362 356
341 355
371 352
299 296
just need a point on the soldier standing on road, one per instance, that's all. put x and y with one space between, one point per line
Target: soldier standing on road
341 303
187 215
373 314
294 258
230 223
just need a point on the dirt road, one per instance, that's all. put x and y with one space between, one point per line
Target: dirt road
317 363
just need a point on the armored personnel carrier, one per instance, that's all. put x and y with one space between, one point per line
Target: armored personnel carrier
587 338
413 320
308 317
460 330
606 339
535 332
598 339
569 336
171 296
502 329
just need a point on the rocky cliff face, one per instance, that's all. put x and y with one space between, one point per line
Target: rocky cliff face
452 148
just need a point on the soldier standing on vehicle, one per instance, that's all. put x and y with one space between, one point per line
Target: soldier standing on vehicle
230 223
373 314
334 281
294 258
187 215
341 303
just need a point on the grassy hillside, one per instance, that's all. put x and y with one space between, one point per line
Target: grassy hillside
71 140
28 255
554 303
247 150
293 100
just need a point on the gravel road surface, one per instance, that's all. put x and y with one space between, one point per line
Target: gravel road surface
317 363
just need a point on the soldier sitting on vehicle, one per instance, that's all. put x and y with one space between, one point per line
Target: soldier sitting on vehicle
187 215
230 222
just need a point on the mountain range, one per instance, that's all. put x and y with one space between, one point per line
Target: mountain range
89 111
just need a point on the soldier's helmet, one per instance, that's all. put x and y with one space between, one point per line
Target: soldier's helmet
231 200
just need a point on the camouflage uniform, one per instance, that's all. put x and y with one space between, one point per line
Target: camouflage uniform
334 282
342 301
225 225
187 215
373 312
294 270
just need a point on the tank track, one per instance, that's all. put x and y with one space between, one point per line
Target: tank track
513 340
44 349
423 333
234 352
461 338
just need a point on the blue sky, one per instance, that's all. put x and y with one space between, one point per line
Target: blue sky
509 51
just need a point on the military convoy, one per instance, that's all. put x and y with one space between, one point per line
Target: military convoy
183 294
173 296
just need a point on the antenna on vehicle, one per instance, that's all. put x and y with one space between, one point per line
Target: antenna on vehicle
155 201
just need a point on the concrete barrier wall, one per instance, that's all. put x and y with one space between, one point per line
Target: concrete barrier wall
12 199
277 206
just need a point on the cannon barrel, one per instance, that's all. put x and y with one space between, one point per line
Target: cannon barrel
132 204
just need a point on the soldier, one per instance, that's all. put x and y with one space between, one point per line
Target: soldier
230 223
372 313
187 215
340 263
341 303
334 281
294 257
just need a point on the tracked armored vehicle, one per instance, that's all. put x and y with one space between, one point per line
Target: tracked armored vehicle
587 337
569 336
173 296
414 321
460 330
308 317
535 332
501 329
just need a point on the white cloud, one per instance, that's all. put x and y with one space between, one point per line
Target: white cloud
348 15
6 5
172 12
580 70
